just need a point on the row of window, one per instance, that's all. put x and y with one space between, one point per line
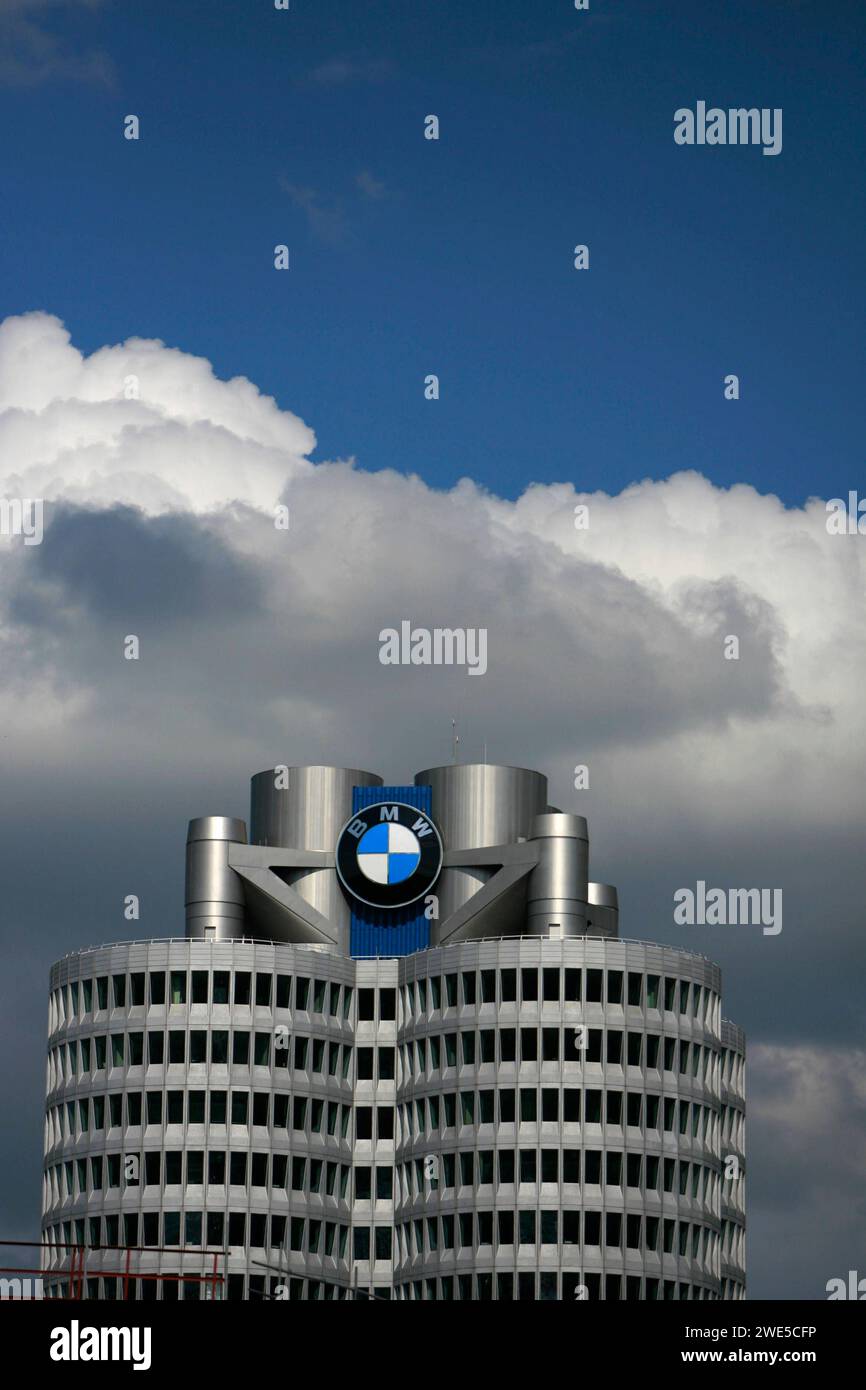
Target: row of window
612 1229
101 1052
179 987
508 1286
571 1043
549 985
315 1237
83 1056
427 1115
417 1178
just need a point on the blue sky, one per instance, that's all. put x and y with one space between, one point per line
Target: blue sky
410 256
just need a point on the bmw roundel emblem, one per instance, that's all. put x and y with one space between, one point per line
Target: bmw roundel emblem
389 855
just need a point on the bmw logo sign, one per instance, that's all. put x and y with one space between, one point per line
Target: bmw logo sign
389 855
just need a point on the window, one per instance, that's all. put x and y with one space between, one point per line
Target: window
263 990
241 1048
387 1003
451 991
199 986
221 987
593 986
119 987
529 985
528 1105
550 986
549 1104
178 987
176 1046
216 1168
527 1165
242 988
366 1013
526 1227
550 1165
469 987
528 1045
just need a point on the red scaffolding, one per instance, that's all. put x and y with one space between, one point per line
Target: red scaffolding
77 1270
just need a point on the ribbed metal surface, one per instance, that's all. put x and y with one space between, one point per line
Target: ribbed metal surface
380 932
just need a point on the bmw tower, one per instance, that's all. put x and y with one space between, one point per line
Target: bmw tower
402 1052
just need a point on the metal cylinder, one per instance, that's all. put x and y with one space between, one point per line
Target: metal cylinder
603 910
476 805
214 893
306 808
556 894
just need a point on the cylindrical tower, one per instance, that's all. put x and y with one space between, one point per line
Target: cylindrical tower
214 893
556 897
733 1154
305 808
476 805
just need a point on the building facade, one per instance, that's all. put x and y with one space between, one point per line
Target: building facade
401 1052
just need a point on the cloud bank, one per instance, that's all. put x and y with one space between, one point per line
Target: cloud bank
261 645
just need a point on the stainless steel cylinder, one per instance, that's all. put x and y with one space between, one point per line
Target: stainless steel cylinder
306 808
603 910
476 805
556 894
214 894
